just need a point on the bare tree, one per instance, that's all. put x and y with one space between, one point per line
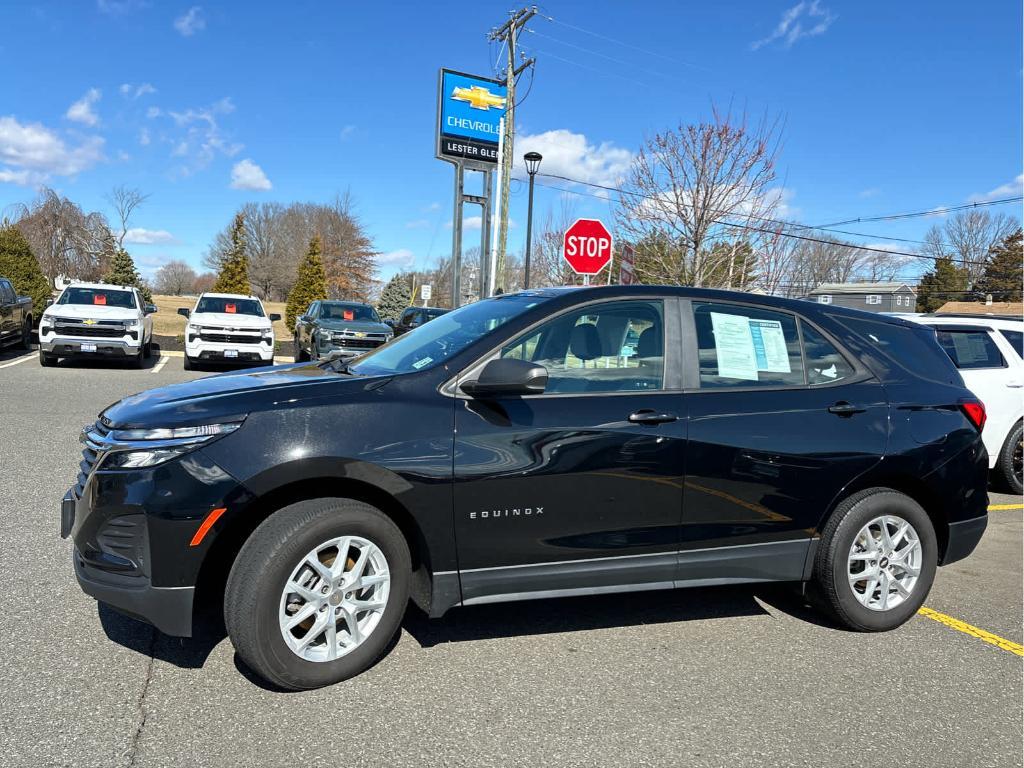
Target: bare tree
686 185
175 278
967 237
124 201
547 267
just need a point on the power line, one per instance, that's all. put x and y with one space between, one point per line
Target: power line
933 212
599 54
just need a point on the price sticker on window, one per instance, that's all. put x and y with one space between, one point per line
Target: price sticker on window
99 299
349 314
230 308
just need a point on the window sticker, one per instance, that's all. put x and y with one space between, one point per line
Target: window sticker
231 308
770 346
99 299
420 363
734 346
970 348
348 314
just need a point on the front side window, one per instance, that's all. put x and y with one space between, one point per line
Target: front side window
613 347
970 349
744 346
228 306
349 312
100 297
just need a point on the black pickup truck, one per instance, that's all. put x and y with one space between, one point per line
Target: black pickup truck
15 316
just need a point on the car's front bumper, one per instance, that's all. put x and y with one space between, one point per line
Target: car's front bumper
963 538
207 351
69 347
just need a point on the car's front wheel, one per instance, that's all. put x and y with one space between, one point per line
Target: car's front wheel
317 592
45 360
876 560
300 353
1010 464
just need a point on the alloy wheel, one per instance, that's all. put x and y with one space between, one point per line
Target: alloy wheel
1018 461
884 563
334 598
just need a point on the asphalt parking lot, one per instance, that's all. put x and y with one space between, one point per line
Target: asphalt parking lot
703 677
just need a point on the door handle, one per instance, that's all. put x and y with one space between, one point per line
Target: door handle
843 408
652 417
1015 384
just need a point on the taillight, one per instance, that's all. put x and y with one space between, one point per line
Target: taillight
974 410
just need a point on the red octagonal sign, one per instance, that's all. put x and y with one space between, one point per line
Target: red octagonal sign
587 246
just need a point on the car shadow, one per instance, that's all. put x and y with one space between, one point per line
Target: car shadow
497 620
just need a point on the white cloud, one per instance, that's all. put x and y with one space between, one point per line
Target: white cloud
200 138
144 137
130 91
435 206
402 257
191 21
247 175
573 156
142 236
805 19
153 112
347 132
870 192
33 153
81 111
117 7
1013 188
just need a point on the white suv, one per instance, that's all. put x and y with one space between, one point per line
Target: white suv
96 320
989 351
228 328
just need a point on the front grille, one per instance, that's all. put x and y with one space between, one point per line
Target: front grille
91 331
89 459
352 343
230 338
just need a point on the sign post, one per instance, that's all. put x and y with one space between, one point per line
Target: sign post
626 258
587 247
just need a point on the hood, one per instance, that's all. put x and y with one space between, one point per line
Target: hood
364 326
84 311
227 320
231 396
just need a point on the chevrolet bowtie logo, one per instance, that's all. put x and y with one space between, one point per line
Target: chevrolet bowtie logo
90 321
479 97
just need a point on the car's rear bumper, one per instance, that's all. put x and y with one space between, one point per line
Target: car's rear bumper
963 538
169 609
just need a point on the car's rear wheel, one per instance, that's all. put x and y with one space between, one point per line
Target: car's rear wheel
317 592
876 560
1010 463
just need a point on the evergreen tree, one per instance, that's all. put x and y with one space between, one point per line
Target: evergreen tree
310 285
394 298
946 282
234 272
1004 270
19 265
123 272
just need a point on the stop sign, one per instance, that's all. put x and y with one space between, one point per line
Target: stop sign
587 246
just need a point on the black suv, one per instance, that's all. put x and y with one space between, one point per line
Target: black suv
339 326
414 317
544 443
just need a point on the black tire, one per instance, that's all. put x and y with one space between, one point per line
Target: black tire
266 560
189 365
139 360
1008 465
45 360
831 563
147 349
300 354
25 342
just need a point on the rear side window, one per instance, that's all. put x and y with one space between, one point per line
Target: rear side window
744 346
1016 339
912 348
825 364
970 349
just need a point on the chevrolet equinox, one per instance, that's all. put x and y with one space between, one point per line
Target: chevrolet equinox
544 443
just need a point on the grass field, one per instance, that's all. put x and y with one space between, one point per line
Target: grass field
167 321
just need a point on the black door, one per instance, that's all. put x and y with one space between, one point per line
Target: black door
579 488
779 422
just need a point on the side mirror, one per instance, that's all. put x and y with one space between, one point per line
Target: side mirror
150 309
274 317
184 311
390 324
49 302
508 377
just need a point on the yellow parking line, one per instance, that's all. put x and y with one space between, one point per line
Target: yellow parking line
967 629
997 507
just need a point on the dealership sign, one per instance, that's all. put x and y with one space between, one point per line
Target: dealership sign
469 112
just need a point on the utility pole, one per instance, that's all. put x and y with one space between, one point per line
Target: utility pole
507 34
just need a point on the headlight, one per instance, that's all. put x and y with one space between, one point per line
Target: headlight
268 333
136 448
131 324
204 432
139 459
193 328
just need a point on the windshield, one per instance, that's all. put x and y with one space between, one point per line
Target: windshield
230 306
336 310
100 297
436 341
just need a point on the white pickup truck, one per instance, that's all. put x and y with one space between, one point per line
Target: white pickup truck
97 320
228 328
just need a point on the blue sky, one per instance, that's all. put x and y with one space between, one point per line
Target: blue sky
888 107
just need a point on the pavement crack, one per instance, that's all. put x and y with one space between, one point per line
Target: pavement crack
140 706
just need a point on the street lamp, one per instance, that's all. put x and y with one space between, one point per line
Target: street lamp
532 166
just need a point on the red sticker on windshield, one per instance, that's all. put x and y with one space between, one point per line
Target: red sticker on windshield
99 298
230 309
348 314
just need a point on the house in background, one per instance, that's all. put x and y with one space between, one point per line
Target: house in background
873 297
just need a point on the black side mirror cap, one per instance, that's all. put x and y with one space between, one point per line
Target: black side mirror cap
184 311
508 377
274 317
